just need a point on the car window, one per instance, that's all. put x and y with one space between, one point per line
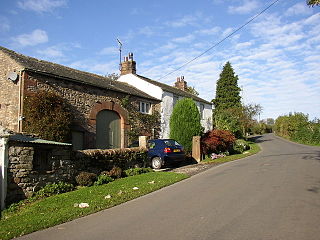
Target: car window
151 145
171 143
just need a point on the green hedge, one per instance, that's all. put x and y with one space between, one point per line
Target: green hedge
97 160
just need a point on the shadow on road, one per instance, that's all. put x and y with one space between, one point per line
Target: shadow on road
258 139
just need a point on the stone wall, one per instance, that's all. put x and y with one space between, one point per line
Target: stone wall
9 93
24 174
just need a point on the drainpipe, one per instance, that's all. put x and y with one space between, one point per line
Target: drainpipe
3 169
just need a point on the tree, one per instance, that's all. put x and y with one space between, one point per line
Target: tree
227 92
47 116
185 122
192 90
112 76
313 2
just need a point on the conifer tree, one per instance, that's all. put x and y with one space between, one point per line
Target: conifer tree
227 92
185 122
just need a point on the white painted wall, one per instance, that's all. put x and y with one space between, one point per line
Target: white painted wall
142 85
166 103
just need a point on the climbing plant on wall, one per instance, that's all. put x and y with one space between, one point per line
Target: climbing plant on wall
141 124
47 116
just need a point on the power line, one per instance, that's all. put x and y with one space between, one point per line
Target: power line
222 40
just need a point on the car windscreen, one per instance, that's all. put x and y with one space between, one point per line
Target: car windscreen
172 143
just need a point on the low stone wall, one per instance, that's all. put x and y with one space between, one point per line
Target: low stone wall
32 166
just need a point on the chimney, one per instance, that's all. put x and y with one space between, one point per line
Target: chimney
128 65
181 83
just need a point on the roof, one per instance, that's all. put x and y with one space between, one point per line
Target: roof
27 139
59 71
174 90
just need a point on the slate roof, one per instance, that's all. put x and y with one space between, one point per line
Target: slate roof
74 75
27 139
174 90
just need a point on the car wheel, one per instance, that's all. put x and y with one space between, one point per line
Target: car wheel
156 163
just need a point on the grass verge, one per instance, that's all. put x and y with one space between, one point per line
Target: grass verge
254 148
61 208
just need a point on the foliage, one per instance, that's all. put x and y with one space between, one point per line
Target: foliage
240 146
192 90
217 141
185 122
227 91
59 208
103 179
47 116
106 159
141 124
86 179
115 172
313 2
112 76
53 189
137 171
298 128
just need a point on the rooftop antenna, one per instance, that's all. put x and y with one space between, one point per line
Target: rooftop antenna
120 49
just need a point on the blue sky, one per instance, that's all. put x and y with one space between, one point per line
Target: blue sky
277 57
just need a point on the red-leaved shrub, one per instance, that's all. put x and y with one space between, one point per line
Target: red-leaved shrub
217 141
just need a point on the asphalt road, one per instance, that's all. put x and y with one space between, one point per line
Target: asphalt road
272 195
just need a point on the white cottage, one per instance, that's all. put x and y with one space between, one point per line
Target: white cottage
168 95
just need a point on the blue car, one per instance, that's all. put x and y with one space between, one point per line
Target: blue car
164 151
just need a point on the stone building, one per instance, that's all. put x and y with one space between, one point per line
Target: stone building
168 95
100 120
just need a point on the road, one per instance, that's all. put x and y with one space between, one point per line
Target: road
272 195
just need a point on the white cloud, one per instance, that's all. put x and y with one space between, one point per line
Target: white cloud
36 37
109 51
185 39
41 6
298 9
52 52
184 21
247 7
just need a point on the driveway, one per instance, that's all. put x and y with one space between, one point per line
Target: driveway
272 195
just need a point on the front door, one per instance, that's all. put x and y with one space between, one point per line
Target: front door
108 133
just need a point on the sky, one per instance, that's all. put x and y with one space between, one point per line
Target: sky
276 56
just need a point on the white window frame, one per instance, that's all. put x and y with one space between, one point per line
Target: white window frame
145 107
202 110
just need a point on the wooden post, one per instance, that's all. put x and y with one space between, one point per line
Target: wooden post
196 151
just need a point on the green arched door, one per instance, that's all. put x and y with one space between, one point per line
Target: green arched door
108 133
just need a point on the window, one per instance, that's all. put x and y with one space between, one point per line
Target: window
201 111
175 99
144 107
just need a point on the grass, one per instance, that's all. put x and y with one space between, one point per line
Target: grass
61 208
254 148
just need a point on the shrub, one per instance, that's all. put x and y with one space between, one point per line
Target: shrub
217 141
137 171
47 115
115 172
86 179
185 122
240 146
103 179
53 189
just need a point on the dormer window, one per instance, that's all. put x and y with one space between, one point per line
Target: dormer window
144 107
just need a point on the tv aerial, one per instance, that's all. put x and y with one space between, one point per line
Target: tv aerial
120 49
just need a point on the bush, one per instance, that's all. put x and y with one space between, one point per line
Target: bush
103 179
185 122
217 141
115 172
47 115
240 146
53 189
137 171
86 179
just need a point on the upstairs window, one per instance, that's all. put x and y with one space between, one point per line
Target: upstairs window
144 107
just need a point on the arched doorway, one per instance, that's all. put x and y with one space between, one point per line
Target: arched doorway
108 130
